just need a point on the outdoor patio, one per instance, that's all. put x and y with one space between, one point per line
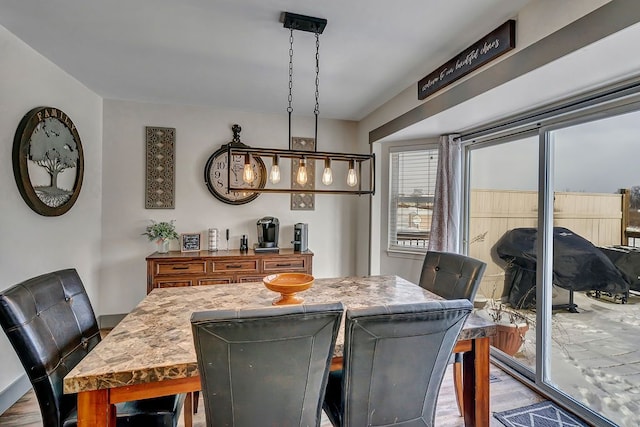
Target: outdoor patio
596 356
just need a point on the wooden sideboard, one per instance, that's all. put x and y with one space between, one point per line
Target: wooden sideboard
215 268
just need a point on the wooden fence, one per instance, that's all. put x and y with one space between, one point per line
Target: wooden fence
596 217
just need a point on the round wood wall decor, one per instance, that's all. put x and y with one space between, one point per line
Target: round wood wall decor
48 162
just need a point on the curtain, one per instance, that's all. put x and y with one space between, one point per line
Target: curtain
445 221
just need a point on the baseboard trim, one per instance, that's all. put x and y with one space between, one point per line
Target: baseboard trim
13 392
109 321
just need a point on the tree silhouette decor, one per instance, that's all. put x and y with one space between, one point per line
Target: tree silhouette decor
46 153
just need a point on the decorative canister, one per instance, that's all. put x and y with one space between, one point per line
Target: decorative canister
213 239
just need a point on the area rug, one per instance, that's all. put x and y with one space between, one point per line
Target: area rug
542 414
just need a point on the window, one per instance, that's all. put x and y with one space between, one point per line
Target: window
411 190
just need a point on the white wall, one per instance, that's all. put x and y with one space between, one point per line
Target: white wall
32 244
199 132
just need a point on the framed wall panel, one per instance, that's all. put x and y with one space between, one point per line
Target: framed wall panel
160 168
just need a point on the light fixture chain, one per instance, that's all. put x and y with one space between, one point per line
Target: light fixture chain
290 109
316 111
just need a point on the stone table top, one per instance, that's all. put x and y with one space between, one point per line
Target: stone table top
154 341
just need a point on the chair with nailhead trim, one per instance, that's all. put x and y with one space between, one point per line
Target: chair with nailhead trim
51 325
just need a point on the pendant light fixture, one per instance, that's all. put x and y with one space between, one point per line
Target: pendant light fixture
247 173
327 173
301 175
353 181
352 177
274 174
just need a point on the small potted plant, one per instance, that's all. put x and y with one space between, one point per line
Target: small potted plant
512 325
162 233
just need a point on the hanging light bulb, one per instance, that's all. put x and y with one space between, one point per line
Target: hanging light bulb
301 176
247 174
327 175
352 178
274 175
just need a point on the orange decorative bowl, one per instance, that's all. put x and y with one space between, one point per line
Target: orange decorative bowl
288 284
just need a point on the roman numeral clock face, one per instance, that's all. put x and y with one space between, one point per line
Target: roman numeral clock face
218 170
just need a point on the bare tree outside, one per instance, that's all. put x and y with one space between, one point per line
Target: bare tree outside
634 209
635 197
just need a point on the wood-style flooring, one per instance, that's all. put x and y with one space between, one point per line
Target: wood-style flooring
506 393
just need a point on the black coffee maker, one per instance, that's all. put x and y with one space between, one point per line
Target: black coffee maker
268 230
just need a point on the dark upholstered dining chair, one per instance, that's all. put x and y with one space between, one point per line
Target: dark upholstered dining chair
452 276
265 366
51 325
394 360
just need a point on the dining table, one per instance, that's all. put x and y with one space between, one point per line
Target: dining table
151 353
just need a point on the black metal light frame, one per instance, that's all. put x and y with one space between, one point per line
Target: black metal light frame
359 159
314 25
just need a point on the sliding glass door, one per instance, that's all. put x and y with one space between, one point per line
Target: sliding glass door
502 197
553 211
595 356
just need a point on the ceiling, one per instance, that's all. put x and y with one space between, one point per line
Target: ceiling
234 53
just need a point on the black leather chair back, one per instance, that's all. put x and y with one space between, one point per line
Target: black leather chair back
266 367
451 275
394 360
51 325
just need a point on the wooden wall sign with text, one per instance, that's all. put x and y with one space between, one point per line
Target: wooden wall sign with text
491 46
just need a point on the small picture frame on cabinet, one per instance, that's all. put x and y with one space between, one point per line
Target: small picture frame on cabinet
190 242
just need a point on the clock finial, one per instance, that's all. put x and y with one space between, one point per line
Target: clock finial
236 132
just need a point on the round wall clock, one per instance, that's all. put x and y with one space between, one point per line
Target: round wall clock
48 162
218 169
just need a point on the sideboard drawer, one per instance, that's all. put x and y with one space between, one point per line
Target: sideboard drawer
286 264
171 282
218 280
250 278
187 267
235 265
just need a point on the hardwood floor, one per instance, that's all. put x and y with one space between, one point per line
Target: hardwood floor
506 393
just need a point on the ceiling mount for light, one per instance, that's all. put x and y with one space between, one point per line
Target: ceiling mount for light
310 24
351 163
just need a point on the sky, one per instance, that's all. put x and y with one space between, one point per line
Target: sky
601 156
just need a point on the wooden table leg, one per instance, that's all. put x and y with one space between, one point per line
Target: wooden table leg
94 409
336 363
476 384
188 409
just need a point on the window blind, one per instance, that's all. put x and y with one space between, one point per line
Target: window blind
411 192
